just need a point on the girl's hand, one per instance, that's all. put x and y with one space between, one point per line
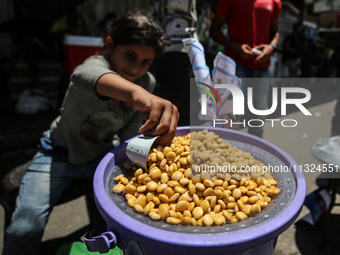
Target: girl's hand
161 116
267 51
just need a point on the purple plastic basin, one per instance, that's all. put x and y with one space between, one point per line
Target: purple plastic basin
138 234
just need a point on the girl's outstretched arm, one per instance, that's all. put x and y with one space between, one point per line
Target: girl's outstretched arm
161 115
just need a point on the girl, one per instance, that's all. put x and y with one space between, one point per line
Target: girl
103 101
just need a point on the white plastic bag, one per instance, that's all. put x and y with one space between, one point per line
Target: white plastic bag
32 102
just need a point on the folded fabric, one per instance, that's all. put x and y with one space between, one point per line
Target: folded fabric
216 102
201 72
197 59
224 73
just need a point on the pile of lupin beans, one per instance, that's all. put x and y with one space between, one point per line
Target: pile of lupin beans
175 190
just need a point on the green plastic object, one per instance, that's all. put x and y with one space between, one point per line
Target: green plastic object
79 248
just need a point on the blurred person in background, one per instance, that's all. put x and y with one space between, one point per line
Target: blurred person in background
104 25
336 118
305 59
291 49
335 60
173 70
252 38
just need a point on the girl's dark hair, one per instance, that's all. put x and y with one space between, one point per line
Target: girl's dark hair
137 28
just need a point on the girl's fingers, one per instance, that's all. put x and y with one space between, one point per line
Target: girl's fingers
158 122
152 121
166 137
161 116
163 122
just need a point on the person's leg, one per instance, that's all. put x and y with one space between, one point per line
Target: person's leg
335 124
47 177
257 79
292 64
243 72
260 85
42 186
33 206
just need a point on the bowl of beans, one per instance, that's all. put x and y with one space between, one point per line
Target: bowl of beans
211 191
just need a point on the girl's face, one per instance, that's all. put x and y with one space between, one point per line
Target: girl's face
131 61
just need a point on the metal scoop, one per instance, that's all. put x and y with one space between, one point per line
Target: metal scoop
138 149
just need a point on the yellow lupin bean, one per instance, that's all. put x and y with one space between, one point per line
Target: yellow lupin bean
160 156
174 197
247 209
253 199
170 156
182 205
141 177
218 193
254 209
149 196
138 173
237 193
208 183
171 190
200 186
205 206
141 200
118 177
118 188
164 198
187 213
192 189
155 173
227 215
208 192
132 201
130 189
241 215
156 200
138 208
186 221
173 220
219 219
173 184
168 191
163 211
197 212
154 216
208 220
161 187
191 206
184 181
180 190
141 189
166 150
151 186
222 204
177 175
196 199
